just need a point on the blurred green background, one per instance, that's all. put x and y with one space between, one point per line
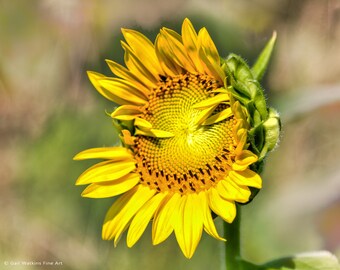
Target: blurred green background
49 111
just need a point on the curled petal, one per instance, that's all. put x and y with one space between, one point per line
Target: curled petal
142 123
243 160
126 112
229 190
247 178
224 208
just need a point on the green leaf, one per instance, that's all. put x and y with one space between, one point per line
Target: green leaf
262 61
321 260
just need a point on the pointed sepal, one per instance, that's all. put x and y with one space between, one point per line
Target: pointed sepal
262 61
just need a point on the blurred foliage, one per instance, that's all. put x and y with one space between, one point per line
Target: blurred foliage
49 112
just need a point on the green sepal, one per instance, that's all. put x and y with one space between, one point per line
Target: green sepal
257 139
244 88
238 96
240 77
243 84
123 125
262 61
260 100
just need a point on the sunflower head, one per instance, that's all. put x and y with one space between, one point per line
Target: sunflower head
194 129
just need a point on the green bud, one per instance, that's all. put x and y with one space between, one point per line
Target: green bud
243 84
272 127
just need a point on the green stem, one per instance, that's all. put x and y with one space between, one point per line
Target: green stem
232 245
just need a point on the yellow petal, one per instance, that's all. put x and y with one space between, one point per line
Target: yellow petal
241 138
123 90
190 42
106 171
142 123
162 225
189 36
158 133
222 90
215 100
168 65
177 50
209 225
125 74
223 208
204 114
210 67
144 128
240 113
189 224
229 190
113 211
209 56
208 45
246 178
94 78
144 50
155 133
218 117
142 218
111 188
118 217
137 68
113 153
243 160
126 112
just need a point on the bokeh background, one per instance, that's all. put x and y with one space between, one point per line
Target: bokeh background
49 111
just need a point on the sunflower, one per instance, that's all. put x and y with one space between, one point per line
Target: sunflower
184 153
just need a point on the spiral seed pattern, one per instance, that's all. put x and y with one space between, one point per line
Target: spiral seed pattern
198 156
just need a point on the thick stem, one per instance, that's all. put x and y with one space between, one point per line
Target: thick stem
232 245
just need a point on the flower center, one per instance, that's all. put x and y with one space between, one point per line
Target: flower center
198 156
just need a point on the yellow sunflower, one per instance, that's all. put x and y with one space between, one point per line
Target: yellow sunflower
184 151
